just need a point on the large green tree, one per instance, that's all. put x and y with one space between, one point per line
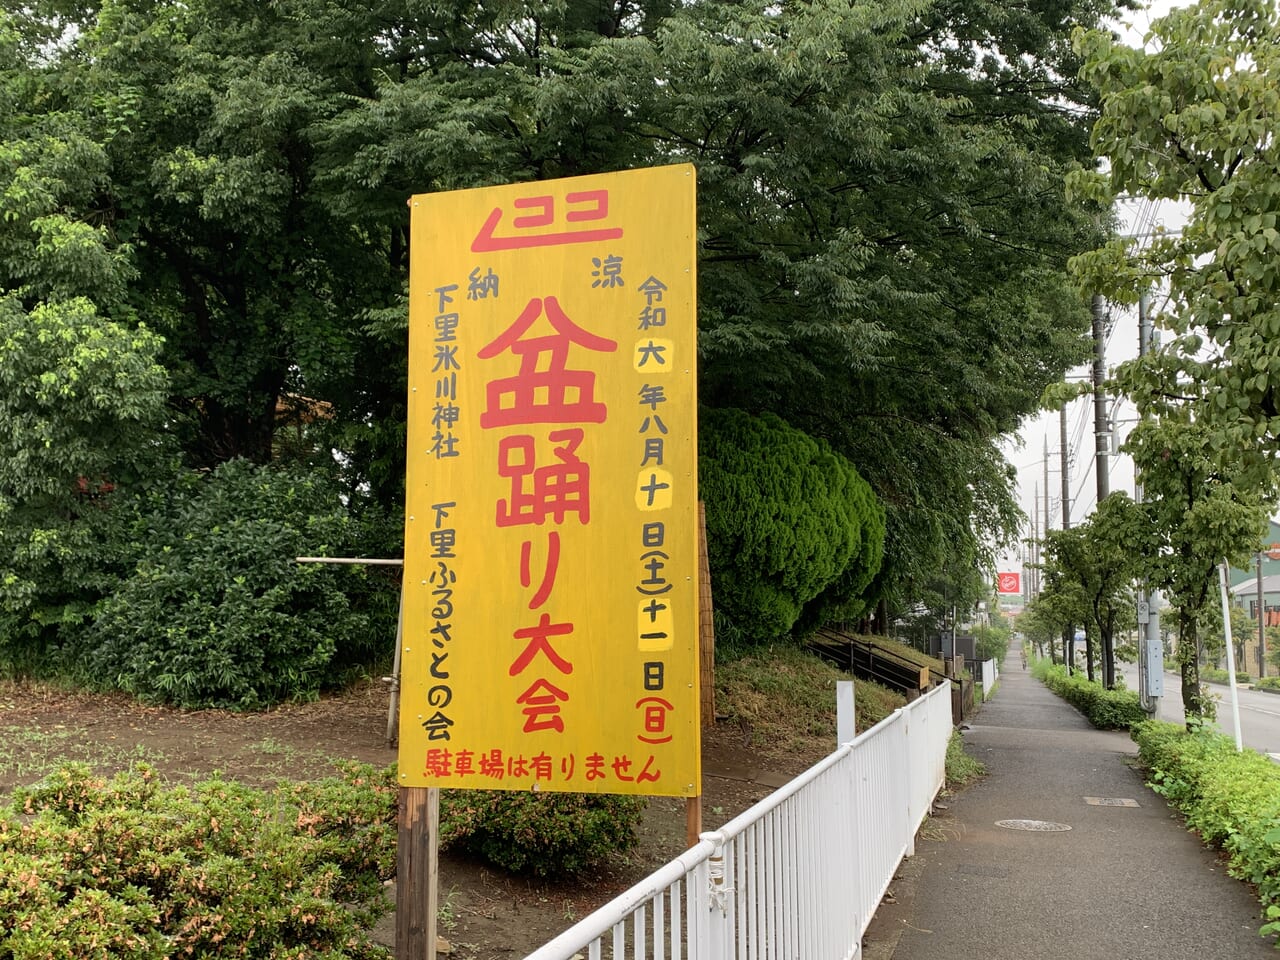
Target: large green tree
1042 624
81 403
1196 513
1092 566
1192 118
1062 602
883 230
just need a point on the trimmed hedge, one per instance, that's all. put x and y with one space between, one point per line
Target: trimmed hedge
792 527
1105 709
1231 798
1218 675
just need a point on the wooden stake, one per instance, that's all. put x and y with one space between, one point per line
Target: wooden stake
393 706
692 821
417 873
706 670
706 625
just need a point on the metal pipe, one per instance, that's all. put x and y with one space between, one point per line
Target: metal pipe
351 561
1231 655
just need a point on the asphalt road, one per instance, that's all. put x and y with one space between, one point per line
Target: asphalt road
1259 712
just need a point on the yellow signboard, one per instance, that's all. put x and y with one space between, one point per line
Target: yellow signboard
550 607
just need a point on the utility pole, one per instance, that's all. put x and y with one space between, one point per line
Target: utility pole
1069 632
1101 451
1046 485
1053 655
1064 460
1150 649
1101 435
1035 543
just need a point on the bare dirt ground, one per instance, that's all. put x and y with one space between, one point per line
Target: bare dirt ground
485 913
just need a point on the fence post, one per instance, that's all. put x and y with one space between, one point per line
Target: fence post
846 724
719 927
911 752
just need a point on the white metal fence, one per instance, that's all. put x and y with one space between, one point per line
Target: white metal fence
990 677
799 875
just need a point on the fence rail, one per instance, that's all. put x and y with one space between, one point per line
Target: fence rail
798 875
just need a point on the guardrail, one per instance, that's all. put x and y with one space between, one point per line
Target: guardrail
799 874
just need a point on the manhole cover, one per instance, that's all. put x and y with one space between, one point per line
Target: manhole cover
1110 802
1038 826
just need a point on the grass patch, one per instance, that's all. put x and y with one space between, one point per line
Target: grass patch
270 747
962 767
786 696
30 753
904 651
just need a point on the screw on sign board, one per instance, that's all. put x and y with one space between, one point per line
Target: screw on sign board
551 560
1007 583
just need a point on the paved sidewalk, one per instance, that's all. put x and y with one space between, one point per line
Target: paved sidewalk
1124 883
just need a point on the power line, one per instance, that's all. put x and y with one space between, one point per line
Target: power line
1078 432
1075 500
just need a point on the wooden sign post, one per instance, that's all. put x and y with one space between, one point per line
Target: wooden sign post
417 873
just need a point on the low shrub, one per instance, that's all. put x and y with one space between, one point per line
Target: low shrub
544 834
1231 798
1216 675
1267 683
127 868
216 611
1105 709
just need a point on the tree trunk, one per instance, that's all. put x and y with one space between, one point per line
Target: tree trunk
1189 661
1108 629
1088 652
1192 707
